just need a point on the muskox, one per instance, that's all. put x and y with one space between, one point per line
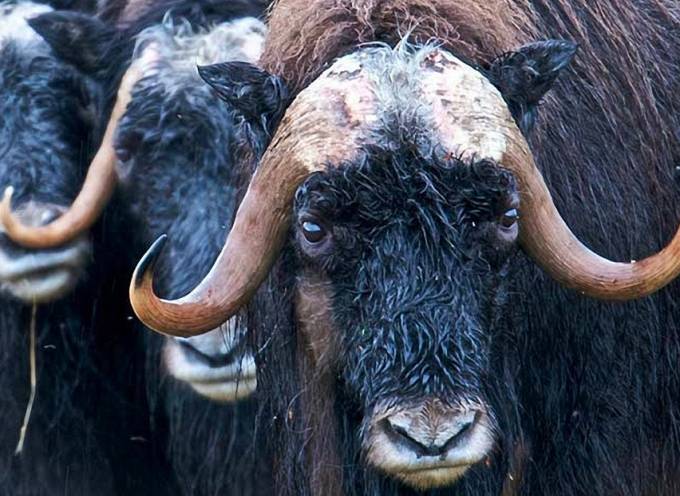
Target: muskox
70 435
176 157
427 318
178 174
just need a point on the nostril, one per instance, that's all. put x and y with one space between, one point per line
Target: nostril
463 428
430 442
401 436
400 430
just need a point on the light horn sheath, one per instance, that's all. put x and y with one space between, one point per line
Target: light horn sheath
100 183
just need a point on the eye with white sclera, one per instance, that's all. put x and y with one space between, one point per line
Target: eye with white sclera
313 232
508 224
509 218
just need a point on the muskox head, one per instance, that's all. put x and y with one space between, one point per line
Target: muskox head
397 178
48 109
178 168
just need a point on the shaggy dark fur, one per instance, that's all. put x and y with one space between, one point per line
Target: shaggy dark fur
586 392
41 157
177 181
414 321
83 420
177 165
88 432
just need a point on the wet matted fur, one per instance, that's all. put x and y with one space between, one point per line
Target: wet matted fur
591 404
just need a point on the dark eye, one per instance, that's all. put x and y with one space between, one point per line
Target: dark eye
314 233
509 218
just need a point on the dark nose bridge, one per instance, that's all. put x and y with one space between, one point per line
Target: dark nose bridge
424 331
416 286
440 343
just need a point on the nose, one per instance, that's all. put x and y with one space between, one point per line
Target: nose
430 433
40 275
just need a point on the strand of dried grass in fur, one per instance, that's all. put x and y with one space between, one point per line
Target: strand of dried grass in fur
31 398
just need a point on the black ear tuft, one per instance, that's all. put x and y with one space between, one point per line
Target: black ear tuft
254 93
77 38
524 76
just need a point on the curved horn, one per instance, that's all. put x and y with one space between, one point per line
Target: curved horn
456 88
99 184
321 126
548 240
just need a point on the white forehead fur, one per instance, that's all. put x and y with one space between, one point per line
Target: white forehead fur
429 94
181 48
14 28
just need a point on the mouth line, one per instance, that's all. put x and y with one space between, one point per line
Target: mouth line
434 468
222 360
187 364
36 265
41 287
41 273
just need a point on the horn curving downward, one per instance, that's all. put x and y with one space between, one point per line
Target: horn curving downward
548 240
307 139
100 182
328 123
453 89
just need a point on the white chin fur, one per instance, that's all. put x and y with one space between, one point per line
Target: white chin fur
42 288
430 479
226 392
229 383
429 472
41 277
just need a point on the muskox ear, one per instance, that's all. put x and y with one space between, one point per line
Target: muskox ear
525 75
77 38
259 97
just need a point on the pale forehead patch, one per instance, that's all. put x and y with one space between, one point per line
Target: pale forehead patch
446 100
181 47
342 97
469 113
13 25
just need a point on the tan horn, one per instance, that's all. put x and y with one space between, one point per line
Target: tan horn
460 94
548 240
326 124
99 184
320 127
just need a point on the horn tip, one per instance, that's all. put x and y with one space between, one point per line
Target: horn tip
6 205
7 196
204 72
147 262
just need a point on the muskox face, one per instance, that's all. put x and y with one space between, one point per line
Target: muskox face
177 163
407 256
47 108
